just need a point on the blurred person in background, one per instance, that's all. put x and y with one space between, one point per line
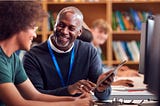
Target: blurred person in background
100 30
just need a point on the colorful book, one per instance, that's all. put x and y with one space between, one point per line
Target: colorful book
127 21
116 50
120 20
51 20
122 52
124 44
136 19
114 22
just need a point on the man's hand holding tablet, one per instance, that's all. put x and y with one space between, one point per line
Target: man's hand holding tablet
107 78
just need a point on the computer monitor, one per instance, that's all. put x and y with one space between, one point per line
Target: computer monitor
142 48
150 54
145 42
153 58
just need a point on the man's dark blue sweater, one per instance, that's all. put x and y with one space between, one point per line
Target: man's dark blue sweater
42 73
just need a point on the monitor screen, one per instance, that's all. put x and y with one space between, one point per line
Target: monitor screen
153 58
145 42
150 53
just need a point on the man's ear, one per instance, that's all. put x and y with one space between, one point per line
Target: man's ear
80 32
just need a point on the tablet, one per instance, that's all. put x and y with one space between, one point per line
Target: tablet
114 71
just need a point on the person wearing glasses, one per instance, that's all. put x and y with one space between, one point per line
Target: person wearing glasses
18 20
64 65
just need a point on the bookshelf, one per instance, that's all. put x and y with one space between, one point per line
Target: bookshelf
103 9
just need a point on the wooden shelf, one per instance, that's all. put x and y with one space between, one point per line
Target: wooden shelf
136 1
127 32
72 3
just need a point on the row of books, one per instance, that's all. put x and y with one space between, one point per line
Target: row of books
125 20
126 50
128 20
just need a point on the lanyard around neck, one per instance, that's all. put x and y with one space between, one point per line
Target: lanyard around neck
64 83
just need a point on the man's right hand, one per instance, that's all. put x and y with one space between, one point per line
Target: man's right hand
81 86
84 100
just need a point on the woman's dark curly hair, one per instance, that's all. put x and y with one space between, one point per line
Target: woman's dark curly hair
16 16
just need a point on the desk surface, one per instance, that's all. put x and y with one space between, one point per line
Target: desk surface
138 92
132 95
125 104
128 98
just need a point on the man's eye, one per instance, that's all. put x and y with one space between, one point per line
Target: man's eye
72 29
61 25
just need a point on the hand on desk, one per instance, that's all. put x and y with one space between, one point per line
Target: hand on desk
84 100
81 86
125 82
124 71
107 82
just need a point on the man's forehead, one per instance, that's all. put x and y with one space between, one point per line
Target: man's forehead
70 18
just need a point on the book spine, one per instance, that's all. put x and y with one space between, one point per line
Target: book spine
136 19
120 20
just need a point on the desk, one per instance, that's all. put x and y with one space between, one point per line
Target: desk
124 104
132 95
136 96
128 98
138 92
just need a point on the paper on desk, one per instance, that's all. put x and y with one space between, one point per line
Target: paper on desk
137 82
144 92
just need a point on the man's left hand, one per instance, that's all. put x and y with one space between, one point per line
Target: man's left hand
102 87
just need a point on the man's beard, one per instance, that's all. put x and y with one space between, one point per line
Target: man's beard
59 44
